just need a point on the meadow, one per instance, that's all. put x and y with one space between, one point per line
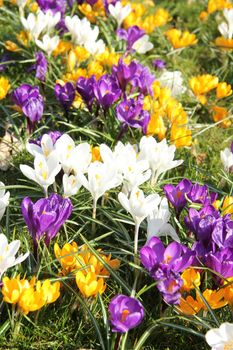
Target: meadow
116 162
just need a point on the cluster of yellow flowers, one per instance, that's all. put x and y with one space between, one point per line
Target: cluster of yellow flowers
29 295
180 39
146 17
93 12
90 273
215 298
203 84
163 107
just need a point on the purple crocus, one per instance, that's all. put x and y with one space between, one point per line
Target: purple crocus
131 35
29 99
143 80
159 64
107 91
199 194
124 73
45 217
65 94
169 286
125 313
202 223
130 113
52 5
177 194
221 262
85 87
222 234
40 66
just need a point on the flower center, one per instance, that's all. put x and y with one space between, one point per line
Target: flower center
124 315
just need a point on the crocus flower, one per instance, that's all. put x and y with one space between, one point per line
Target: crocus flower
71 185
199 194
137 204
159 155
143 45
119 12
173 81
101 177
227 159
134 172
45 217
106 91
85 87
177 194
8 252
157 221
169 285
124 73
202 223
40 66
48 43
222 234
125 313
220 338
29 99
131 35
130 113
4 199
159 64
156 258
65 94
53 5
221 262
44 144
143 80
44 172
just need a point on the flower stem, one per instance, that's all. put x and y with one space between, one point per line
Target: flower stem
136 232
94 217
117 343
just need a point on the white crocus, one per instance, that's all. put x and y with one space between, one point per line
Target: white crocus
46 148
101 177
221 338
159 155
143 45
157 221
81 158
119 12
65 147
34 24
137 204
227 159
226 28
71 185
7 254
48 44
44 172
173 81
4 199
84 35
52 20
21 4
134 172
139 207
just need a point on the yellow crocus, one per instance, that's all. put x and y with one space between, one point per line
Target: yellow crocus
67 256
89 284
11 46
227 206
13 288
4 87
181 136
189 306
215 298
179 39
191 279
220 113
202 84
223 90
215 5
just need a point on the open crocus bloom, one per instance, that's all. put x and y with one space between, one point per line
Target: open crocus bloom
157 221
8 252
221 338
